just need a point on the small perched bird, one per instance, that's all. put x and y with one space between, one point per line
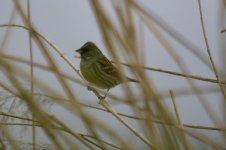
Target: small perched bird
97 69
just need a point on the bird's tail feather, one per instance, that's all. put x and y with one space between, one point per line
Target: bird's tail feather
133 80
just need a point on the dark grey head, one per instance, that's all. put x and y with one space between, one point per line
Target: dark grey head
89 50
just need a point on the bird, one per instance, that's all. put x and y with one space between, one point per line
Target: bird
97 69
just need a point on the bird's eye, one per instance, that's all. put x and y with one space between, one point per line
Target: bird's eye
85 50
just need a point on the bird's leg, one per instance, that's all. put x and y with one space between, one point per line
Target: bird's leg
101 98
106 93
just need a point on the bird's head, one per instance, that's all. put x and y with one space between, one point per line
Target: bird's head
89 50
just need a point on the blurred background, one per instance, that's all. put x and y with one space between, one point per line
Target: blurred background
170 41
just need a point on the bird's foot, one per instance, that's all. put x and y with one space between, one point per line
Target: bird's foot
89 88
101 99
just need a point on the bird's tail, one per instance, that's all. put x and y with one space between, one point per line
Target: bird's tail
133 80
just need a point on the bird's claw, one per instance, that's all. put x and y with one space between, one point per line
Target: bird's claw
101 99
89 88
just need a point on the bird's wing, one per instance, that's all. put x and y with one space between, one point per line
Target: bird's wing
110 69
107 66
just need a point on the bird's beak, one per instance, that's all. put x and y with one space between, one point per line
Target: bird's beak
78 50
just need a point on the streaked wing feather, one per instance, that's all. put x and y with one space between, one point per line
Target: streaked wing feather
107 66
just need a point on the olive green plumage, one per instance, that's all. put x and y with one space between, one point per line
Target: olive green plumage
97 69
